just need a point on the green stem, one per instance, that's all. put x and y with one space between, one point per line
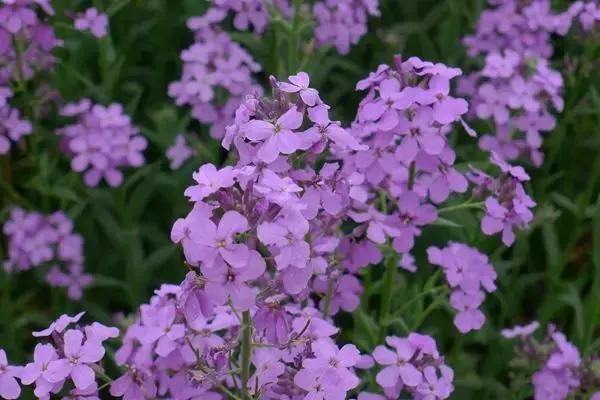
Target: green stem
412 175
228 392
328 296
246 352
391 264
479 204
19 62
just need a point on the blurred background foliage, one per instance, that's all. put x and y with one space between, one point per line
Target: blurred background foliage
552 273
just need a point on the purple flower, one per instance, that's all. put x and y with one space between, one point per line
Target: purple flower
101 142
520 331
444 178
419 134
469 317
346 293
397 364
210 180
468 273
281 191
218 241
9 387
12 127
498 219
493 103
179 152
182 230
215 64
160 328
193 299
385 110
134 385
59 325
75 280
325 129
412 214
343 22
37 371
279 136
94 21
268 368
78 354
501 65
318 387
446 109
287 236
225 282
333 364
299 84
436 386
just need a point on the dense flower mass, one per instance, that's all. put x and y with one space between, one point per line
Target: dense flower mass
12 127
343 23
101 142
23 22
562 371
35 240
291 241
517 89
408 167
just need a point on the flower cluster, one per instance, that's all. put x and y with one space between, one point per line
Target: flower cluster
413 366
408 167
562 372
12 127
92 20
70 355
217 73
264 235
101 142
470 275
507 205
343 23
23 22
35 239
517 87
174 350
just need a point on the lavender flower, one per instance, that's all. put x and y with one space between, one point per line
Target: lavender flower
343 23
469 275
9 387
101 142
179 152
229 68
12 127
94 21
35 239
517 88
23 21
